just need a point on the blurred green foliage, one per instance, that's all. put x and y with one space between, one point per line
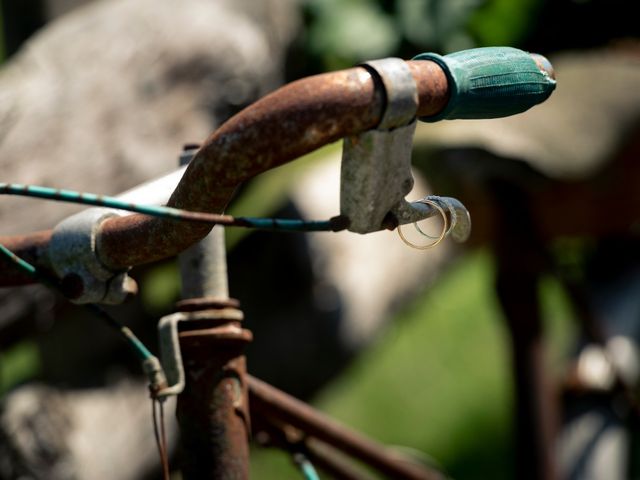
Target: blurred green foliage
18 364
438 382
503 22
343 32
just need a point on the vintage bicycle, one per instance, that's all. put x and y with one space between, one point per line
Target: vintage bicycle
374 108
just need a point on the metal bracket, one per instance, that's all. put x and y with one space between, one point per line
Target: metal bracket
170 354
72 252
376 165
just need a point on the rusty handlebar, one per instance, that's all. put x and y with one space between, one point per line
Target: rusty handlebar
290 122
286 124
282 126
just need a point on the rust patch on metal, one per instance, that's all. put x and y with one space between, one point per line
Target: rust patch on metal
213 410
273 404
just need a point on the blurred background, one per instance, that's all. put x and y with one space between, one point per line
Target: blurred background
555 214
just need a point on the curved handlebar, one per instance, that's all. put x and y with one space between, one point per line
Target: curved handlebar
290 122
286 124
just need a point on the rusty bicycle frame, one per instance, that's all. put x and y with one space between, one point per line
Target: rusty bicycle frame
221 404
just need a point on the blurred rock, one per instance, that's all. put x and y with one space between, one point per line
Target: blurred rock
104 98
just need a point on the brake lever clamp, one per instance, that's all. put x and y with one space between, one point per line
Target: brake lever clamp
376 164
74 258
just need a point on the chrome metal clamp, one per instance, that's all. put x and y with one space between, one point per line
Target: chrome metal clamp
74 258
73 248
376 164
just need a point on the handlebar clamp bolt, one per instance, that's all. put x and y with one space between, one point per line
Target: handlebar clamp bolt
74 258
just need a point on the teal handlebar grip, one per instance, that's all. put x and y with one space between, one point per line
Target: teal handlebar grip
492 82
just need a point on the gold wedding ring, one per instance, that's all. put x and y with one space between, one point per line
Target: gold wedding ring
445 227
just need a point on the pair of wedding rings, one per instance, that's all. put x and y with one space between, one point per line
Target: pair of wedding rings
448 222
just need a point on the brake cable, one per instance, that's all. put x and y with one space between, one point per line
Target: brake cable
334 224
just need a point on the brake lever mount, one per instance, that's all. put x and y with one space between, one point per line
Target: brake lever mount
376 164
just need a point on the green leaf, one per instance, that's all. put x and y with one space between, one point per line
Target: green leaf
345 33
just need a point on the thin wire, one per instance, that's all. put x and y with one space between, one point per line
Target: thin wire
306 467
71 196
156 432
26 267
139 348
159 436
163 436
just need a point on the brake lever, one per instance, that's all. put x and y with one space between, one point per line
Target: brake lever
376 165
